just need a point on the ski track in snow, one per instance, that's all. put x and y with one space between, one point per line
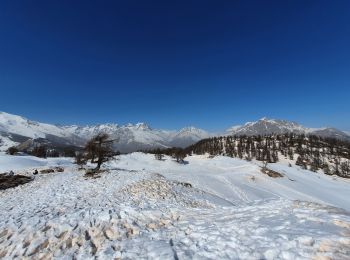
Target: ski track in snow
141 208
235 189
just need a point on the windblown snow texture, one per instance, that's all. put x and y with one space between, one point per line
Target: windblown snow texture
144 208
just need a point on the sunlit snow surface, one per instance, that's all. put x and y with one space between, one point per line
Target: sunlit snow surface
142 208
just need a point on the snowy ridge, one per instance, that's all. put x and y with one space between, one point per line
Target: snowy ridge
131 137
22 126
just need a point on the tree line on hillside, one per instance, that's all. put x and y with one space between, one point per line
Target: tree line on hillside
44 151
176 153
308 151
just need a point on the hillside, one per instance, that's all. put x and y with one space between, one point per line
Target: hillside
141 207
328 155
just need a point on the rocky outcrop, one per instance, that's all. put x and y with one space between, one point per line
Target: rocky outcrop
11 181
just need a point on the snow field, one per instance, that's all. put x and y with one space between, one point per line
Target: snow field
28 163
143 208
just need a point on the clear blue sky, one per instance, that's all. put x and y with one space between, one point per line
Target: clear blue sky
211 64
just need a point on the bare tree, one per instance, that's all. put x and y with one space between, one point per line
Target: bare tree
336 166
179 155
99 149
40 151
265 162
345 169
90 150
326 169
80 160
158 155
12 150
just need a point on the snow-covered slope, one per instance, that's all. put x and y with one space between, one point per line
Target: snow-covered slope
220 208
331 132
6 142
266 126
16 129
19 125
17 163
239 181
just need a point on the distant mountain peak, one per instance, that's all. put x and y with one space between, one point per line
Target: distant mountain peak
190 129
266 126
142 126
131 137
140 136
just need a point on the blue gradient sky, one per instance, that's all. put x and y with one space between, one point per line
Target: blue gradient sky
211 64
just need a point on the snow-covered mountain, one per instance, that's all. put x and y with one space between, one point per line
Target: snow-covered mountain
188 135
266 126
21 126
131 137
331 132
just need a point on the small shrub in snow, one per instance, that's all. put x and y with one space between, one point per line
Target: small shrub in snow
313 168
12 150
345 169
326 169
179 155
158 155
39 151
93 173
248 158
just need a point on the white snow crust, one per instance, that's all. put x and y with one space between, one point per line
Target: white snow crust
145 208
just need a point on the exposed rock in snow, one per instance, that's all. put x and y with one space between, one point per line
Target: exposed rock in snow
10 181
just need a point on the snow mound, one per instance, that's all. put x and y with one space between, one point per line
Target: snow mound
158 190
239 182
